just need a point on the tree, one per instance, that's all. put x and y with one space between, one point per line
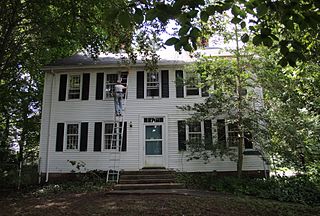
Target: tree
235 97
291 26
291 96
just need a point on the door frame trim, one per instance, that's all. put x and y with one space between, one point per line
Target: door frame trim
142 140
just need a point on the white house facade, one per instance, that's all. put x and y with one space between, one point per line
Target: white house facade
78 118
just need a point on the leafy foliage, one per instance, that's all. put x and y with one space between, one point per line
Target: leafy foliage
300 189
290 26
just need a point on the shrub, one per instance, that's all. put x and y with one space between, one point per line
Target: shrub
301 189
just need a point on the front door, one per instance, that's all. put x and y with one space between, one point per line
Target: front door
153 142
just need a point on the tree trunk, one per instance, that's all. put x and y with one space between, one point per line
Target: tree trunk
239 108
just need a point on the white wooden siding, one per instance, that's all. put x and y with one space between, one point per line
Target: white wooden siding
93 110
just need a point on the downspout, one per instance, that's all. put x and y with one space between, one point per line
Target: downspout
49 127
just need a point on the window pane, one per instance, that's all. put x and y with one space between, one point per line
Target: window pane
233 134
108 128
153 84
72 136
74 87
154 132
192 91
153 147
153 120
195 127
111 80
72 129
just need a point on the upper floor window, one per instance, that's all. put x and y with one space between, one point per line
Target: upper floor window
72 136
111 81
187 85
191 85
153 84
74 87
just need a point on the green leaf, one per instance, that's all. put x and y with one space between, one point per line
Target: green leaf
262 10
265 31
184 30
193 13
267 41
243 25
235 10
289 24
195 32
211 9
284 50
177 46
236 20
204 16
283 62
187 47
257 40
171 41
292 57
245 38
124 19
151 14
138 16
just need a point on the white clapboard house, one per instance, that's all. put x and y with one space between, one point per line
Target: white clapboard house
78 122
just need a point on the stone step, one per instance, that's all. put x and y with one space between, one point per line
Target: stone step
148 172
148 186
145 181
163 176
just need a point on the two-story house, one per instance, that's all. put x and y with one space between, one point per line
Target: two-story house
78 119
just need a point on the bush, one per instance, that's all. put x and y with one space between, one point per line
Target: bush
9 176
78 187
301 189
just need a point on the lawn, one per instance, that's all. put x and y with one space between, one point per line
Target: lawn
102 203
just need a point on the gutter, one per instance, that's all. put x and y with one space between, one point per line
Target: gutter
49 126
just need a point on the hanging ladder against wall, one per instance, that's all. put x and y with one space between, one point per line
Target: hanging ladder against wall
113 172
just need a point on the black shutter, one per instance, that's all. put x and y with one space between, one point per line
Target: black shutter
59 138
97 136
182 136
85 86
99 86
204 91
165 83
179 84
63 87
140 84
221 125
248 140
124 138
208 134
84 136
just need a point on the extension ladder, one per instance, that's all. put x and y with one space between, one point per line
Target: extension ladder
113 172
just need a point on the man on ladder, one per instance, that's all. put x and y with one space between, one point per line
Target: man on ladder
118 98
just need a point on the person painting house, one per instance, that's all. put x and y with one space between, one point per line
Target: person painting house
118 97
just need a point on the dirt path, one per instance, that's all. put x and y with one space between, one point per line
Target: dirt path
102 203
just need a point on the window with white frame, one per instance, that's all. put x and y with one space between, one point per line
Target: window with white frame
153 84
229 134
74 86
233 135
191 85
194 132
111 81
111 143
108 133
72 136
